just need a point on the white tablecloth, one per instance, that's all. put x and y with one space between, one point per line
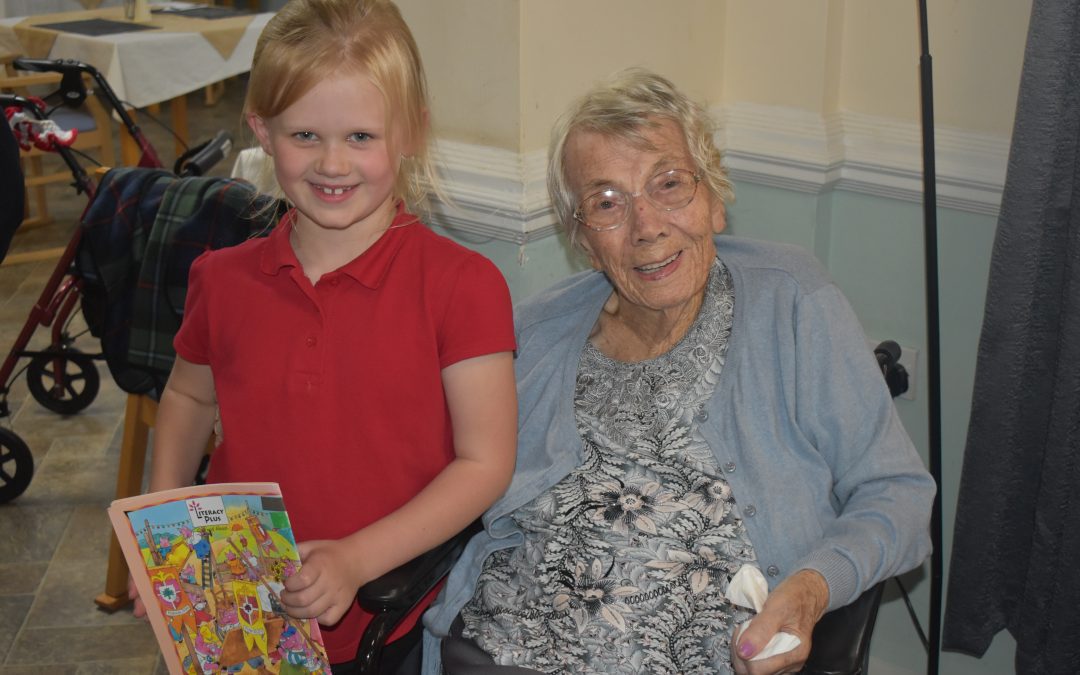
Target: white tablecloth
9 8
150 66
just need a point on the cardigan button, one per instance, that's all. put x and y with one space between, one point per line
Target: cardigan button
772 570
750 511
702 415
730 467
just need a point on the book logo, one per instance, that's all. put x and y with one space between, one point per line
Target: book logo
207 511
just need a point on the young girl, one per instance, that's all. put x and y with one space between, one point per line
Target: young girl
358 359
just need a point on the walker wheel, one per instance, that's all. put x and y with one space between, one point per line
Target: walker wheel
16 465
64 381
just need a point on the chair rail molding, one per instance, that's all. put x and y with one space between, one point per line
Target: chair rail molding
499 194
802 151
494 193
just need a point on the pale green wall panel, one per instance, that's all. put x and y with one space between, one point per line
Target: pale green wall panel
769 213
529 268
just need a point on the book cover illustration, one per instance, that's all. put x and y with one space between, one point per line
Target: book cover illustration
209 562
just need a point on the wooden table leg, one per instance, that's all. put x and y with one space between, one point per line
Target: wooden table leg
131 153
213 92
138 418
178 109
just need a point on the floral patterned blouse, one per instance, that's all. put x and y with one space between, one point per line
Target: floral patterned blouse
626 560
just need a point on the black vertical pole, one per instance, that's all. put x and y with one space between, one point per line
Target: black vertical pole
933 342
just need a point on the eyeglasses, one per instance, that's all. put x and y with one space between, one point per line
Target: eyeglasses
608 209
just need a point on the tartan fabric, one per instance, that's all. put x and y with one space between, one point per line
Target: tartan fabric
196 215
141 233
116 226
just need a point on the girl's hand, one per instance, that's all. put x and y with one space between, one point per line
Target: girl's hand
794 607
139 609
326 584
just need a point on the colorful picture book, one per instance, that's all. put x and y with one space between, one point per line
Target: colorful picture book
209 563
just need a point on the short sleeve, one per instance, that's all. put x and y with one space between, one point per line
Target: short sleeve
478 318
192 341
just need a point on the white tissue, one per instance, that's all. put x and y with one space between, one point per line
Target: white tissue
749 589
780 643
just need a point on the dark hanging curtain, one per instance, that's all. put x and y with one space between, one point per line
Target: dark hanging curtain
1016 549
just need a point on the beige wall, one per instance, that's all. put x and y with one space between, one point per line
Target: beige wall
976 46
978 49
776 53
471 51
880 65
567 45
500 71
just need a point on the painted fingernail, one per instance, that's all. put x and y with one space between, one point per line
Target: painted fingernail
745 649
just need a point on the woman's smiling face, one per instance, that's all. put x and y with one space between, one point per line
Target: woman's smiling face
657 260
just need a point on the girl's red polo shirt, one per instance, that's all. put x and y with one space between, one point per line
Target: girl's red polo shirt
334 390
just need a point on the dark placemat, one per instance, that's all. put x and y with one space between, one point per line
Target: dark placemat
96 27
204 12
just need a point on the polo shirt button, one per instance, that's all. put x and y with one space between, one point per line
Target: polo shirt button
772 570
750 511
730 467
334 281
312 341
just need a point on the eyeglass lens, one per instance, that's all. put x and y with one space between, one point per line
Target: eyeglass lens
669 190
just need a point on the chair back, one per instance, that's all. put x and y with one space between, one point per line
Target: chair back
841 641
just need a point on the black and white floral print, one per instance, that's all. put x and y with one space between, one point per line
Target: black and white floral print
626 560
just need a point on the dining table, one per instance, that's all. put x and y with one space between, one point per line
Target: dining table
28 7
183 47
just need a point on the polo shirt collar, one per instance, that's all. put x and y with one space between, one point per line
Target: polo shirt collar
369 268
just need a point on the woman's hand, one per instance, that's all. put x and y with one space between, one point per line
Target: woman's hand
326 584
794 607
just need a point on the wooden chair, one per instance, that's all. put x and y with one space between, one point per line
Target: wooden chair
139 417
95 136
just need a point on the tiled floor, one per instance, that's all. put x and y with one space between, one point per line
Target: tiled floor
54 538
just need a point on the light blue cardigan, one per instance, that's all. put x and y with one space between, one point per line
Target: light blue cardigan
801 422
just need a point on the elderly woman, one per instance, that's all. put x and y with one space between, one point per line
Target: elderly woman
696 404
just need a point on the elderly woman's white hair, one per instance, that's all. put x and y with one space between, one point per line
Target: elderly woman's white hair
627 107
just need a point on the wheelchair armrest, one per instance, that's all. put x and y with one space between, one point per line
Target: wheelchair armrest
841 641
393 595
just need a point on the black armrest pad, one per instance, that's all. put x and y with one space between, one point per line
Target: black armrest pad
841 639
403 587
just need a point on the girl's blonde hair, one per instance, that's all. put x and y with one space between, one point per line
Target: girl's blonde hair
308 38
627 107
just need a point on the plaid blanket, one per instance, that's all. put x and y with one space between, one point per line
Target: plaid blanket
143 231
116 225
196 215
